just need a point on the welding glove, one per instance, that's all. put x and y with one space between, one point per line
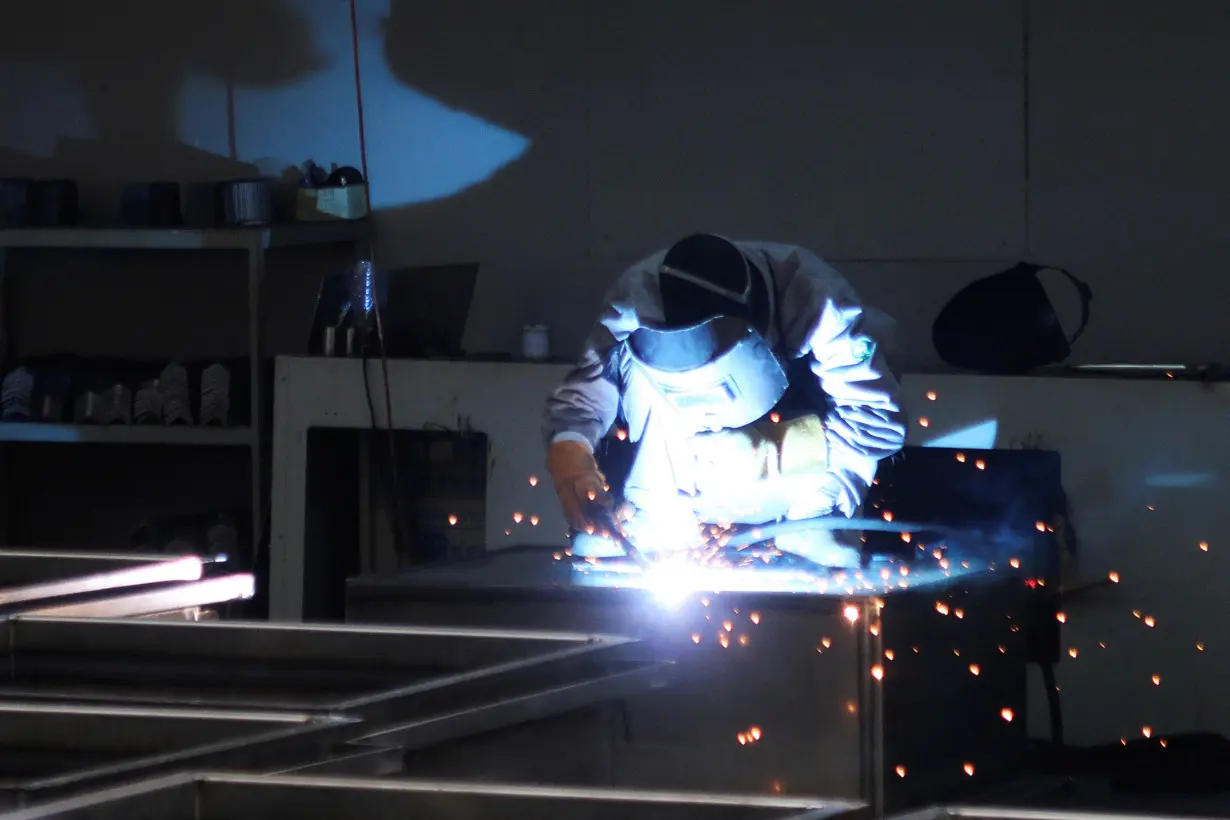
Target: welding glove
579 483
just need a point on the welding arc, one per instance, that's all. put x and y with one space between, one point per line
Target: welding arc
764 532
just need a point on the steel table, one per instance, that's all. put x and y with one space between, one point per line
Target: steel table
870 692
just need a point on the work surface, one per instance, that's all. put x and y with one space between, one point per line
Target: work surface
869 692
537 571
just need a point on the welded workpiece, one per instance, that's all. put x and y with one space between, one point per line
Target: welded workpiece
870 691
381 674
30 579
51 750
240 797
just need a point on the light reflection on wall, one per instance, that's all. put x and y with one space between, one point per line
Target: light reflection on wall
979 436
419 150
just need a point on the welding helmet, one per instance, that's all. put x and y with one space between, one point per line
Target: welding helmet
710 359
1006 324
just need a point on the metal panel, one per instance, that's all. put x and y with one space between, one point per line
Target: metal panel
240 797
47 750
379 673
773 692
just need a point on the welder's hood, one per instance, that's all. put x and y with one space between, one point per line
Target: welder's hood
1005 323
720 373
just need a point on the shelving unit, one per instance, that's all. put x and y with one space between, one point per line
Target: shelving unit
255 242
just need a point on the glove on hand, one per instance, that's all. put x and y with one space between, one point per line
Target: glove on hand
578 481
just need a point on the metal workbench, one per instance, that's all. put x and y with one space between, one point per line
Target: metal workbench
891 696
238 797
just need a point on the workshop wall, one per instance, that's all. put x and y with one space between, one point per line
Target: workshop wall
919 145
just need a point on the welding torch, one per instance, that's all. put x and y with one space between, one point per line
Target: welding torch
603 518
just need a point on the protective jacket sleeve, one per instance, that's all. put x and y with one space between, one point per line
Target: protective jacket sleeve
586 403
823 319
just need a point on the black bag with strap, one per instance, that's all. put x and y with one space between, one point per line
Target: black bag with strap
1005 323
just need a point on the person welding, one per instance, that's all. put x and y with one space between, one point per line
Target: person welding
754 386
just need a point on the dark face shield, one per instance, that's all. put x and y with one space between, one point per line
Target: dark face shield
718 374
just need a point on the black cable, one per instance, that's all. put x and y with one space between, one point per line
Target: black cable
399 522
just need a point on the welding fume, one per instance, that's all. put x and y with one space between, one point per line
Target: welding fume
756 393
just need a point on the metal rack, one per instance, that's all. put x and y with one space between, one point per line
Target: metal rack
255 242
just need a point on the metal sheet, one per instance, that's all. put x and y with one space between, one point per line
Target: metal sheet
32 575
773 692
236 797
382 674
49 750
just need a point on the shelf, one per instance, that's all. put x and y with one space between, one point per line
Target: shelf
39 432
302 233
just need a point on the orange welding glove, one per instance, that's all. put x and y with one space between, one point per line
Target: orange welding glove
578 481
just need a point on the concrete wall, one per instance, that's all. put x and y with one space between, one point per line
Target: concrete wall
919 145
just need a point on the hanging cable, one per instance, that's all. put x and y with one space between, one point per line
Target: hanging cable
396 504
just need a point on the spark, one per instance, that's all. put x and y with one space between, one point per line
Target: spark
931 396
850 613
621 434
1147 731
1199 647
1040 526
1061 617
517 517
968 768
754 617
1015 563
941 607
959 613
980 464
889 654
1204 546
696 637
975 669
1150 622
1114 577
924 422
888 515
452 520
533 481
1157 680
1073 652
877 672
961 457
901 771
1007 714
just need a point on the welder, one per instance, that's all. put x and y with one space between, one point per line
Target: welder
754 385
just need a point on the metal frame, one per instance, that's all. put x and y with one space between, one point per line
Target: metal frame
244 797
381 674
261 739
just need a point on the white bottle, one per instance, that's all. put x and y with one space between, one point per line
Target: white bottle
535 342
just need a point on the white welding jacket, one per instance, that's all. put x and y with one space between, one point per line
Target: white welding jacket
816 314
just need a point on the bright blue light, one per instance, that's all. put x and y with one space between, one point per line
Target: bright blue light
418 149
980 436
